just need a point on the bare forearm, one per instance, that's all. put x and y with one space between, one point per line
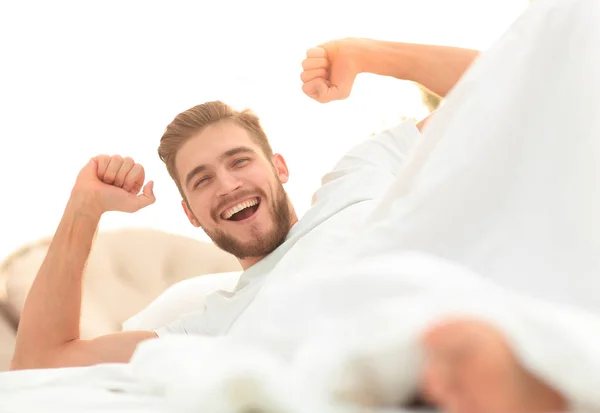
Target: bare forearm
52 310
438 68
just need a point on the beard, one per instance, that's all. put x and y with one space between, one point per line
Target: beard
263 243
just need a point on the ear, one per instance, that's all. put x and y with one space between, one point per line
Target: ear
281 167
189 213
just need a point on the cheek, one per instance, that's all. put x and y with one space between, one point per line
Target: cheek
267 179
200 207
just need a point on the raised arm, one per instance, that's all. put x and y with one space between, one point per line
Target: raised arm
48 334
438 68
329 70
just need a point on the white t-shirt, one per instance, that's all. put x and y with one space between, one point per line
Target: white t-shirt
339 209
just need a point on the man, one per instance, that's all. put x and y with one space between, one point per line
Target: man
484 380
231 186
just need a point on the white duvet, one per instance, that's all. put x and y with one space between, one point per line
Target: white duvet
300 363
506 183
357 330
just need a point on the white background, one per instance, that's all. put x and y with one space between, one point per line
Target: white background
79 78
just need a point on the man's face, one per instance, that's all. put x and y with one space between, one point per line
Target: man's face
233 191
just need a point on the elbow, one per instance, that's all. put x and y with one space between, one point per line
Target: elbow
15 364
20 359
26 361
34 358
20 363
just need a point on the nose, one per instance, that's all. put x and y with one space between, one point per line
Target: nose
228 183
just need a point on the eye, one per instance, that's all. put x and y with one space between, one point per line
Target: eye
201 181
240 162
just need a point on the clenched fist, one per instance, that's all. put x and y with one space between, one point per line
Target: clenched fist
113 183
329 70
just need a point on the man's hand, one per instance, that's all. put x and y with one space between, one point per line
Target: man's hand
113 183
329 70
49 333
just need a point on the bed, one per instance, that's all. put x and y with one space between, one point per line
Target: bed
105 388
527 218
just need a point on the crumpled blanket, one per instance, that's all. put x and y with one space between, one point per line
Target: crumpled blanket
357 355
504 183
371 358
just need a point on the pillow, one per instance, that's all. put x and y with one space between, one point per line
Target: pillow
181 298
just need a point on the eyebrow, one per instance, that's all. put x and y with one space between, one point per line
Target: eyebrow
227 154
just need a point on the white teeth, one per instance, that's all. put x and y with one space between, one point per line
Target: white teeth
237 208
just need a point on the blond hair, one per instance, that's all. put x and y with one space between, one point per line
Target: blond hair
194 120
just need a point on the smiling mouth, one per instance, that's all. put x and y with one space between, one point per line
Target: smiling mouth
241 211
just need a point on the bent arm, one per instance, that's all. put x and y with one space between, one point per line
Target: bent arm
438 68
112 348
48 334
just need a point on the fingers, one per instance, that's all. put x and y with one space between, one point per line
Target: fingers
102 162
134 179
315 65
308 75
320 80
120 172
315 75
146 197
116 182
311 63
123 171
136 202
316 52
315 88
114 164
323 91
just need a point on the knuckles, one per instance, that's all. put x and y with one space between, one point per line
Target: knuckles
117 170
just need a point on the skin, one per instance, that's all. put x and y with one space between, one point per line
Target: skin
472 369
222 166
113 183
329 70
49 336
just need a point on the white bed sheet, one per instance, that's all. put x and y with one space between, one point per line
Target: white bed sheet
292 364
102 388
561 347
74 399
